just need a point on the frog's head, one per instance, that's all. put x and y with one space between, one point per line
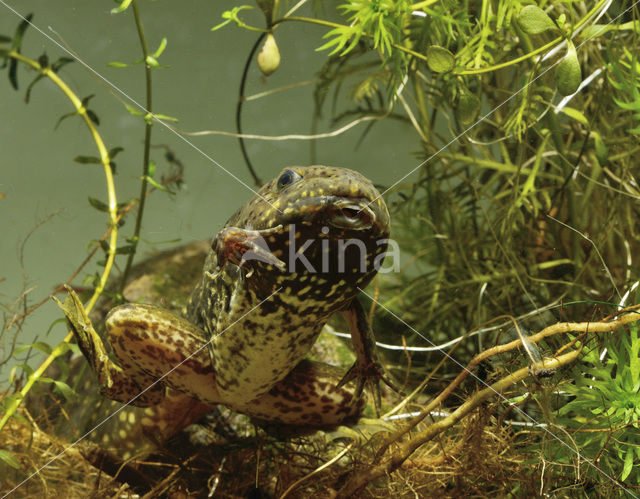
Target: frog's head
315 224
339 198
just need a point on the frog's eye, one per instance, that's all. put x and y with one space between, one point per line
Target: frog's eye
288 177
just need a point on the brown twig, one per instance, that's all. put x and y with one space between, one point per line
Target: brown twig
357 480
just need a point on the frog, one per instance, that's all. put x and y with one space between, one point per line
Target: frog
298 252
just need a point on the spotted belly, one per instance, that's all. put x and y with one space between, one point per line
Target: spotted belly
255 353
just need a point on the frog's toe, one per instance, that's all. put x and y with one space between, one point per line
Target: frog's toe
369 375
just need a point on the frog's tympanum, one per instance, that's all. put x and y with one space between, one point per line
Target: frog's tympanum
288 259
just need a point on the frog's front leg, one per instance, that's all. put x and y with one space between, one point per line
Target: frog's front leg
241 245
367 370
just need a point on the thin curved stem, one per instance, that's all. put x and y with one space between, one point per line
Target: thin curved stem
239 106
112 206
147 145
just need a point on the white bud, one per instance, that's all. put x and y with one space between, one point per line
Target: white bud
269 56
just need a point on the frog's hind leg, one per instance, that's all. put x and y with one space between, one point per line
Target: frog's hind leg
148 343
115 383
308 396
156 347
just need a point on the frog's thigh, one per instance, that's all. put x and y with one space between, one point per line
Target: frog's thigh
307 396
152 343
174 413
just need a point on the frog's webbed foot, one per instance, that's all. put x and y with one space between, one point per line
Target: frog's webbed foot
114 383
367 370
368 374
243 245
88 340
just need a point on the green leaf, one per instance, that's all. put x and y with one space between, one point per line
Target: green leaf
87 99
152 169
64 117
93 116
9 459
341 36
43 60
11 402
15 45
20 31
5 39
165 117
27 96
533 20
133 110
160 49
568 73
595 30
468 107
157 185
117 64
222 24
125 250
232 15
87 160
529 184
628 464
124 5
38 345
602 153
66 391
51 326
576 115
62 61
629 106
439 59
26 368
116 150
99 205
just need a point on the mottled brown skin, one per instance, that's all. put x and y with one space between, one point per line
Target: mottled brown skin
256 313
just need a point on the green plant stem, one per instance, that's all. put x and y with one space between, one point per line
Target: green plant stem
422 5
241 100
554 127
147 146
112 205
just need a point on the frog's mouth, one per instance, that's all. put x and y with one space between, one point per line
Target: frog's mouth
344 213
350 214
